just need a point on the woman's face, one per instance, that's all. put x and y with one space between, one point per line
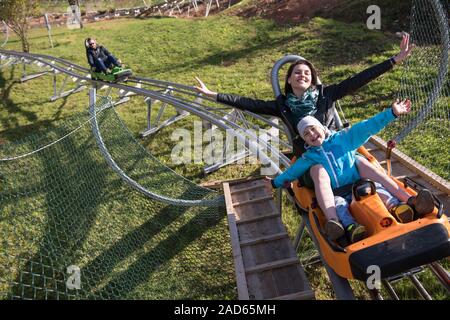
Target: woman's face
300 78
92 44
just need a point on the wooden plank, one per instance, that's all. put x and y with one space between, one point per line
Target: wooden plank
218 184
379 154
269 262
237 254
441 194
255 210
258 218
400 169
289 279
254 193
272 265
370 145
383 162
253 187
261 285
270 197
260 226
401 177
301 295
266 252
264 227
262 239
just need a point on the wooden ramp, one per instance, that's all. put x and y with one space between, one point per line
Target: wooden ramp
404 166
266 264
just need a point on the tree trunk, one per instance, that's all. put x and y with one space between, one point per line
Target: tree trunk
24 36
25 44
21 31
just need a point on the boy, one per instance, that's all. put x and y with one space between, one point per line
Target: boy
336 152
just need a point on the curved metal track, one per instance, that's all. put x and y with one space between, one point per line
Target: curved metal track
185 99
109 159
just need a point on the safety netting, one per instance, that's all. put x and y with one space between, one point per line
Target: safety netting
424 134
71 228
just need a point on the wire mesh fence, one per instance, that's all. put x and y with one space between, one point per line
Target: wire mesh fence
424 134
70 228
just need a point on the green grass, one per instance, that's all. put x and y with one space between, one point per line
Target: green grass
92 5
230 55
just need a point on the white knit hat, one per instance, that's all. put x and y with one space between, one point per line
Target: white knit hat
307 122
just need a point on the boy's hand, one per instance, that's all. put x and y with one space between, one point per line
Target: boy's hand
401 107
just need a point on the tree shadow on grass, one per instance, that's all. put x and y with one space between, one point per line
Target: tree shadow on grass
14 111
10 123
68 176
74 186
156 259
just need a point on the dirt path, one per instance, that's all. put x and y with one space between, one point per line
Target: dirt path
287 11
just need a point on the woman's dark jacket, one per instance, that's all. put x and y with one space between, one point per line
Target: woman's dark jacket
325 102
100 53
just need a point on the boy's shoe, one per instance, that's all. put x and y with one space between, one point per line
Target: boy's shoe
403 213
334 229
422 204
355 232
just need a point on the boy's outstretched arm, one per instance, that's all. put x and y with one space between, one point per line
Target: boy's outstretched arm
358 134
293 173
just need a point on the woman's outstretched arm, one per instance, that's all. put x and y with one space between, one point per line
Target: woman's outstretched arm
202 88
253 105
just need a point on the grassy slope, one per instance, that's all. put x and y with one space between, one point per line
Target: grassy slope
229 54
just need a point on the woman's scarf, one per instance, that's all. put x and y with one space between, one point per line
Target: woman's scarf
303 106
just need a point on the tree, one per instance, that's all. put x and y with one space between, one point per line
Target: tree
15 14
76 3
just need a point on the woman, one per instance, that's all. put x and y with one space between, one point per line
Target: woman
305 96
99 57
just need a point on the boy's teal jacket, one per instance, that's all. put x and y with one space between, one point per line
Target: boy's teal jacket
337 152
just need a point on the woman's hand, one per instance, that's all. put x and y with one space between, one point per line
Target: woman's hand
405 49
204 89
401 107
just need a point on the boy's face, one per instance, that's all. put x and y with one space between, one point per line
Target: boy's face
314 136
